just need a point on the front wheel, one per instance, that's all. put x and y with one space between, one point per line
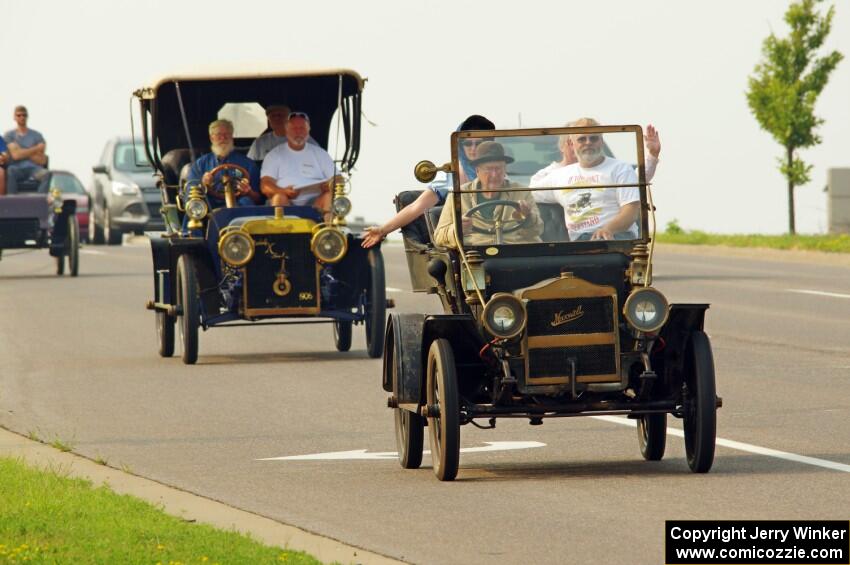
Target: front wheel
72 246
700 404
95 231
165 334
111 235
442 398
376 305
189 307
342 335
652 436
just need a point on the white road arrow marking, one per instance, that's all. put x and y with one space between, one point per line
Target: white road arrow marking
361 454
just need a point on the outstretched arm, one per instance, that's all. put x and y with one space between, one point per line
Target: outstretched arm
374 234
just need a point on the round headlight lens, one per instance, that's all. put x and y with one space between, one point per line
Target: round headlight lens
329 245
341 206
646 309
236 248
196 208
504 315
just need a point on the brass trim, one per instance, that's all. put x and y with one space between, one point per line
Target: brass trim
336 258
499 296
566 380
631 298
249 312
426 171
278 226
224 235
573 340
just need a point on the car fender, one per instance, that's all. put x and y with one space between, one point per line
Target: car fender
668 360
403 349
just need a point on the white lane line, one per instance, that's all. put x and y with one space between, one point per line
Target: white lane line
832 465
394 289
92 252
818 292
364 454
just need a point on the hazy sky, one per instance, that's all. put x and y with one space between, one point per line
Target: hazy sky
680 65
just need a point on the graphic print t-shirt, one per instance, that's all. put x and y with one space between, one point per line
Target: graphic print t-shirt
588 210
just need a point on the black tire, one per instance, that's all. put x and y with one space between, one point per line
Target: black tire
189 305
60 264
342 335
443 429
700 418
376 305
111 235
652 436
409 429
165 334
95 231
72 246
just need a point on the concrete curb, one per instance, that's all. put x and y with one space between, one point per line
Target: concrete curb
190 506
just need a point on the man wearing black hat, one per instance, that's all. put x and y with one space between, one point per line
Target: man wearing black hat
496 223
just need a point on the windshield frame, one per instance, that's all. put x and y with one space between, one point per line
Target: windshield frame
554 248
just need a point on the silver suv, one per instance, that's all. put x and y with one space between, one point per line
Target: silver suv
124 195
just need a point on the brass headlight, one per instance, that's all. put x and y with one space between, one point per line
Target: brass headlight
329 244
197 208
646 309
341 206
236 247
504 315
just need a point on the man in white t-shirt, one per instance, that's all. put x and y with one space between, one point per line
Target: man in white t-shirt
297 173
277 115
565 146
595 213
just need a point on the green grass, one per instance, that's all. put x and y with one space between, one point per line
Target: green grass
48 517
830 243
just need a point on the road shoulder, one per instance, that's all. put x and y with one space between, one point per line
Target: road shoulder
758 253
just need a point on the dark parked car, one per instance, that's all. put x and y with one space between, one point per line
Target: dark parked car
231 265
125 197
50 211
549 308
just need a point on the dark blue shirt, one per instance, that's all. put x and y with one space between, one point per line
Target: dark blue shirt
3 147
208 162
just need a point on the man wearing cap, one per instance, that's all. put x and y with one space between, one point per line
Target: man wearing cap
222 146
26 150
594 214
489 166
297 173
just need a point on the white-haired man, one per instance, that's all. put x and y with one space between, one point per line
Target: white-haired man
596 214
222 151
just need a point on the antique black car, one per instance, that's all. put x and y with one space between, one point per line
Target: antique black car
549 308
256 264
45 212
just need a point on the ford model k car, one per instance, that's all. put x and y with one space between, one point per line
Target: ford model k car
549 308
44 212
238 264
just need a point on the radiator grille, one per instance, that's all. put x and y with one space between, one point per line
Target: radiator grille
262 272
590 360
565 316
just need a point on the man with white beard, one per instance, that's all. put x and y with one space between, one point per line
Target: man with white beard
221 139
595 213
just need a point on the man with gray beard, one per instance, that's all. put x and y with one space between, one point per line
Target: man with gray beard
593 214
221 139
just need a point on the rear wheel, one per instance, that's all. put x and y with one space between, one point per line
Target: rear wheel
700 403
376 305
342 335
442 398
188 305
111 235
165 334
95 231
652 436
409 426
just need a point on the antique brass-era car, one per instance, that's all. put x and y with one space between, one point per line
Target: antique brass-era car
46 212
549 308
233 264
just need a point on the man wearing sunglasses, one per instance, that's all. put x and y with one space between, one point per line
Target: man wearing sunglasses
593 214
298 173
26 151
277 115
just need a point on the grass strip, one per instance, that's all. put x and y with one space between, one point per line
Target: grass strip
838 243
48 517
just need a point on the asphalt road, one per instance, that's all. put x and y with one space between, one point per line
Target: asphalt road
80 365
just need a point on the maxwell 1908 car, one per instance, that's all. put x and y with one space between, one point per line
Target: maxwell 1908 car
46 211
549 308
235 264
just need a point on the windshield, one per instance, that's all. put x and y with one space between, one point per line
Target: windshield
131 158
543 188
66 183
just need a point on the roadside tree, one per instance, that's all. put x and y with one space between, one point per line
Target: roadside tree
785 86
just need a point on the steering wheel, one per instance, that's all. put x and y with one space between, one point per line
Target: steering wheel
506 226
220 185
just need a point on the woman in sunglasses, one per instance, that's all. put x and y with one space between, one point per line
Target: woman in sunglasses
437 190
